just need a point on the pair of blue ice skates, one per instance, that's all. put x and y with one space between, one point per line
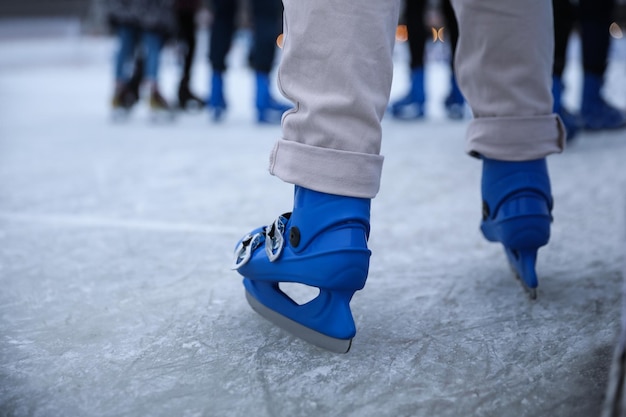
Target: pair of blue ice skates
322 243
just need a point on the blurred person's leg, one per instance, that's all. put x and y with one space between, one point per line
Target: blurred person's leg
413 104
187 37
454 102
125 96
267 18
152 42
564 17
505 73
220 41
596 113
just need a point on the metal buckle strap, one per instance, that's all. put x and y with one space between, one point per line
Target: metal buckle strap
274 237
244 250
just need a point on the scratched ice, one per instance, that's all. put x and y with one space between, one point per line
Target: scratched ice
116 297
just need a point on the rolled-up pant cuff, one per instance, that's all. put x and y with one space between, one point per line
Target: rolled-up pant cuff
516 138
327 170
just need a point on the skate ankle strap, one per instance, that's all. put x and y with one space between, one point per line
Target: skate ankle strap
243 251
272 236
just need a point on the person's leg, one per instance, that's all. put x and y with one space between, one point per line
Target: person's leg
595 19
220 42
596 113
187 37
124 97
564 17
413 104
563 12
136 79
267 25
127 39
267 18
506 82
454 102
337 69
505 73
152 43
222 32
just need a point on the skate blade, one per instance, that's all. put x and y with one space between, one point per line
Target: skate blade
309 335
523 262
532 292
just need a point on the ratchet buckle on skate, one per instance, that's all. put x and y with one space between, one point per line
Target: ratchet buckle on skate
272 236
244 250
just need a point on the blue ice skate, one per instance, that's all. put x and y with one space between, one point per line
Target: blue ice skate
269 110
596 113
322 244
455 102
216 103
517 206
412 106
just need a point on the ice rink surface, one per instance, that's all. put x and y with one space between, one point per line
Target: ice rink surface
116 297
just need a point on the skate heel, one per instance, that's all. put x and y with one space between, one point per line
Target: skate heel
522 221
517 206
321 244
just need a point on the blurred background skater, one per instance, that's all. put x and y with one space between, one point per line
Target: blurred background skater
594 19
186 30
266 27
413 105
142 28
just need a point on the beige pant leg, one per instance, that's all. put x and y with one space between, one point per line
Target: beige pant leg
503 65
337 69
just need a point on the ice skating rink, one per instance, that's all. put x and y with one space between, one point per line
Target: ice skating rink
116 297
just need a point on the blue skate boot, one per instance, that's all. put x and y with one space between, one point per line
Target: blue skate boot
269 110
517 206
455 102
216 103
412 106
321 244
571 122
596 113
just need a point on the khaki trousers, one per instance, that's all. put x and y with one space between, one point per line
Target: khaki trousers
337 69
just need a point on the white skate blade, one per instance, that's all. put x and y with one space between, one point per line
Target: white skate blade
316 338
